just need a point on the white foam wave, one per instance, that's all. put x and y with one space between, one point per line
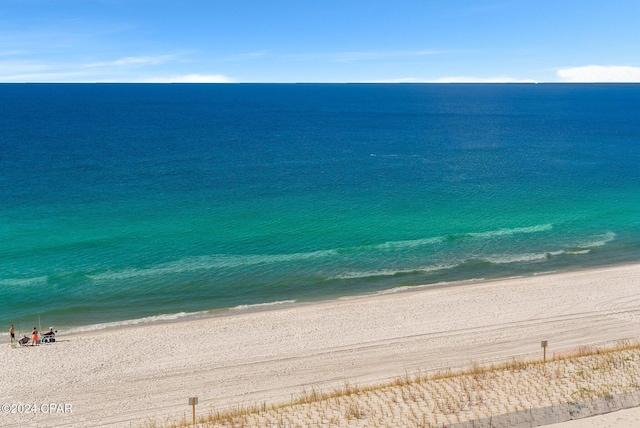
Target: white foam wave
507 232
396 245
224 261
23 282
515 258
411 287
391 272
145 320
548 272
529 257
413 243
584 248
218 261
164 318
597 241
262 305
578 253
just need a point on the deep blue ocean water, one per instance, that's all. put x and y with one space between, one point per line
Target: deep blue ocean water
121 202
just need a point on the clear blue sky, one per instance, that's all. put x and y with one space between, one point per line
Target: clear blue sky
319 41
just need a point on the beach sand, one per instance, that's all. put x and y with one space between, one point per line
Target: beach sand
627 418
123 376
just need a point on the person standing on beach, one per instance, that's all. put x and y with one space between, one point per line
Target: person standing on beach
34 336
12 333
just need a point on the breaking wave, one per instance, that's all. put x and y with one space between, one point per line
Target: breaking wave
263 305
23 282
219 261
145 320
392 272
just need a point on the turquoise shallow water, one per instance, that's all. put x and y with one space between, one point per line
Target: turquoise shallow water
119 202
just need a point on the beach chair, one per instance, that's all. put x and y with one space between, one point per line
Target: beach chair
49 336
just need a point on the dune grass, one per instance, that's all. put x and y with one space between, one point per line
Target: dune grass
424 399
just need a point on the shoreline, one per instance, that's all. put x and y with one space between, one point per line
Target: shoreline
122 375
170 318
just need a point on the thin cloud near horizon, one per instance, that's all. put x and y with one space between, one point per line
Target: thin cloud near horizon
132 61
190 78
600 74
585 74
27 72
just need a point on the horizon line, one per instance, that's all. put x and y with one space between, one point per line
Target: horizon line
326 83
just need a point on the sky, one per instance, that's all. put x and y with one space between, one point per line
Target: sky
333 41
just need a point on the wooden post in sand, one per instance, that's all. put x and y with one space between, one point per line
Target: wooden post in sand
192 402
544 351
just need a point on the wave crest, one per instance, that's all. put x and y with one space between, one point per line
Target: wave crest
224 261
392 272
414 243
598 241
23 282
149 319
262 305
218 261
508 232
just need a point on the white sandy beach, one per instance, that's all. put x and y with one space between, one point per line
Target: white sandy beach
627 418
121 377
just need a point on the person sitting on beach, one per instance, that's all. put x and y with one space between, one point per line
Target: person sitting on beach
24 340
34 336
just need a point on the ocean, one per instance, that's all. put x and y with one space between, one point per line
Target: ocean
127 203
